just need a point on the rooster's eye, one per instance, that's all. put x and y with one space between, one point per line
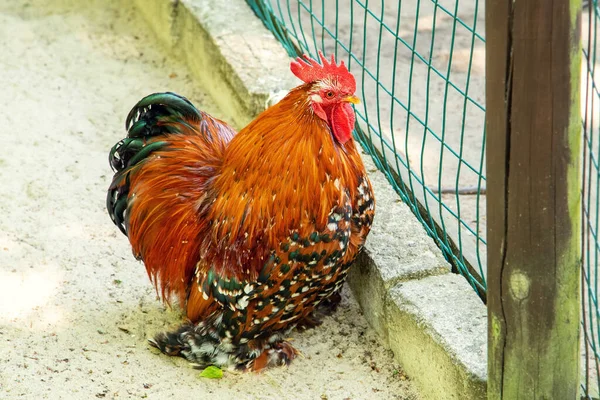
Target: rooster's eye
329 94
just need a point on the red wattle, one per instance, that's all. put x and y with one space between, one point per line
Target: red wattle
341 121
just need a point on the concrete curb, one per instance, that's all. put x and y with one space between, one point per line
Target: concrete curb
431 319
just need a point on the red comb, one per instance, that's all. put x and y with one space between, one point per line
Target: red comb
309 70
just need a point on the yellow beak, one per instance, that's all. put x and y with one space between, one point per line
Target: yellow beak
352 99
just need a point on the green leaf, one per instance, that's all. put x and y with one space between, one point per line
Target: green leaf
212 372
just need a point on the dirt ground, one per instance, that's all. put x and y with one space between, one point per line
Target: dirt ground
75 307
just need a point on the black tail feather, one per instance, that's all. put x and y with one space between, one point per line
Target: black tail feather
155 115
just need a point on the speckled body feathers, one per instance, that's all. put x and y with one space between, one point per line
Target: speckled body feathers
251 231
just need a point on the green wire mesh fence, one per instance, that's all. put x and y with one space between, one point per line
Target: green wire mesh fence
590 97
420 67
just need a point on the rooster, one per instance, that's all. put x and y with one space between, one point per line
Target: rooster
252 232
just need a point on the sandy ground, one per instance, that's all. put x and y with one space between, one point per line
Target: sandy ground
75 307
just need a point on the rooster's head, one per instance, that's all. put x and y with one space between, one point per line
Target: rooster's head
331 91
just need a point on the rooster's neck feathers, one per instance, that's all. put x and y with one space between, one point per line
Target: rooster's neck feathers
283 172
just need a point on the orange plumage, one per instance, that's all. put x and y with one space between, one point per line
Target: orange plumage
250 231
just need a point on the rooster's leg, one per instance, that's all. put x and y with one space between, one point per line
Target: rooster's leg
170 343
308 322
201 345
280 353
329 305
325 308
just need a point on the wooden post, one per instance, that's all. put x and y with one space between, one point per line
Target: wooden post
533 198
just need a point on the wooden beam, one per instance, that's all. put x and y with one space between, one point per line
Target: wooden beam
533 123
